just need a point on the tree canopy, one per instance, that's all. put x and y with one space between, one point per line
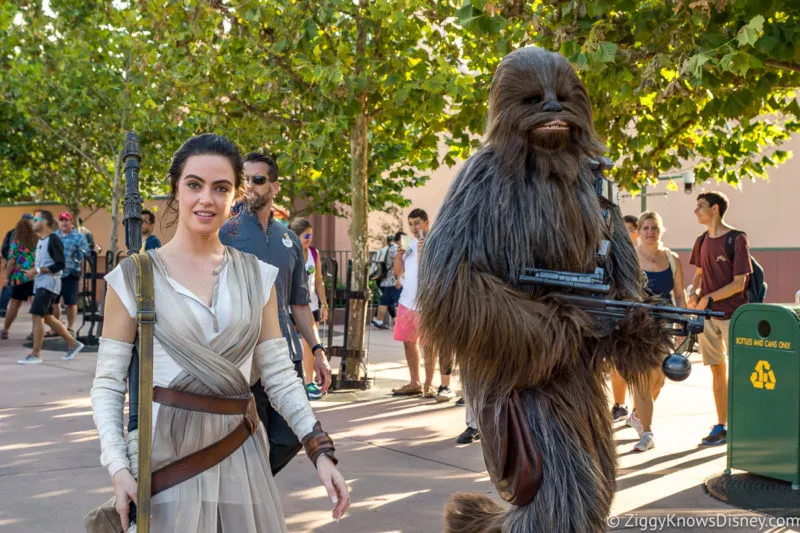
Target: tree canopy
708 84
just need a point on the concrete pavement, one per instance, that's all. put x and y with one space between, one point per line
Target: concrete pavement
399 454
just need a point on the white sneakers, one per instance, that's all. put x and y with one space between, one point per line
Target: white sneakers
634 422
645 443
645 437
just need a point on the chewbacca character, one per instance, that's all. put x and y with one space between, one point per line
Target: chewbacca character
528 199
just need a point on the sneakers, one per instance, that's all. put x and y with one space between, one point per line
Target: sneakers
469 436
70 355
635 423
378 324
718 435
30 360
408 390
429 392
618 412
313 391
460 402
3 334
444 394
645 443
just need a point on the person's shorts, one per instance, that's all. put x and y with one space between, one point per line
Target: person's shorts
70 287
22 292
713 341
406 326
43 302
389 296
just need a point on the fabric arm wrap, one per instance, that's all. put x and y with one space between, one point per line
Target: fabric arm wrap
108 399
289 397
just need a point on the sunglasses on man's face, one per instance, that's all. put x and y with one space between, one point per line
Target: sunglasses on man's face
38 219
261 180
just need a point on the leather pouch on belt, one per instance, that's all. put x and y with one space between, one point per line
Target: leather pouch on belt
512 459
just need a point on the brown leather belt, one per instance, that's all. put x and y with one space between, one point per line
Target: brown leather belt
201 460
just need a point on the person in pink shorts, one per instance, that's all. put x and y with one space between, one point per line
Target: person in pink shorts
406 329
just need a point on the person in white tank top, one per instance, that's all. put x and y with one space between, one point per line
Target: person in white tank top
316 290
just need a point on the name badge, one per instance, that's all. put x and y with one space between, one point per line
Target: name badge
287 242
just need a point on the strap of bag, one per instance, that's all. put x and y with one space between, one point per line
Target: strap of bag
145 318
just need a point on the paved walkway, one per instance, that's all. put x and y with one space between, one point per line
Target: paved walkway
398 454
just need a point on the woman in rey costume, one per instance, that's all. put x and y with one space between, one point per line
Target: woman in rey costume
216 332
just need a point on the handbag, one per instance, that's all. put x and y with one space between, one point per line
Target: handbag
509 450
105 519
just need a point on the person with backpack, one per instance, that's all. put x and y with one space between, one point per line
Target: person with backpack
722 257
382 272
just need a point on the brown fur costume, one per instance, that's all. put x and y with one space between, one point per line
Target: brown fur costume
528 199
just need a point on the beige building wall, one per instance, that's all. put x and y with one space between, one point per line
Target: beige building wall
769 211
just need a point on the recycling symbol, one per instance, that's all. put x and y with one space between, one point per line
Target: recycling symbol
763 377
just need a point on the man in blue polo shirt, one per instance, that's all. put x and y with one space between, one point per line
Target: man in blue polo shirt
254 230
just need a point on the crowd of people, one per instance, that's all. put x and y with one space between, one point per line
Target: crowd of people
42 261
721 257
721 272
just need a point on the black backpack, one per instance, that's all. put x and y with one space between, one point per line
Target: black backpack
756 289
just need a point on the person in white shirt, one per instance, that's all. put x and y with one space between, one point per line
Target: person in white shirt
406 328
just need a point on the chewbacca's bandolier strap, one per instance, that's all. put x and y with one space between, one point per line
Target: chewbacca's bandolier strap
607 191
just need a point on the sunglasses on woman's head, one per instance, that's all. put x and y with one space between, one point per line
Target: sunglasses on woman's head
261 179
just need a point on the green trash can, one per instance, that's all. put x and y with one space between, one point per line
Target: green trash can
764 391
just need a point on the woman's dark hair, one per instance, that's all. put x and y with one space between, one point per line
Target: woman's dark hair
299 225
205 144
24 234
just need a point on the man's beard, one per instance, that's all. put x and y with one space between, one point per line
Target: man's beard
256 202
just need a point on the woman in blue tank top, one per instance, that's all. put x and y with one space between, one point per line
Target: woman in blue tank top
664 279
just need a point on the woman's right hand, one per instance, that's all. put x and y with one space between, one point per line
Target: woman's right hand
124 493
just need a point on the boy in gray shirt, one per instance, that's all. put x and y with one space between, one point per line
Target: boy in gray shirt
46 277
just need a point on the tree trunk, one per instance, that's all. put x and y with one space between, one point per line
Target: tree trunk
356 334
359 150
115 201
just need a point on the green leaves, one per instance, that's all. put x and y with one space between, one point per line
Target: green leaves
750 33
607 52
694 65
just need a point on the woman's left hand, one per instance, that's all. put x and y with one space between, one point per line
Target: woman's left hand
334 483
323 314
